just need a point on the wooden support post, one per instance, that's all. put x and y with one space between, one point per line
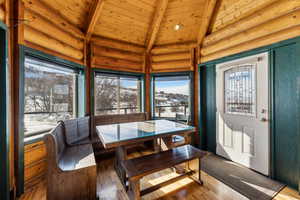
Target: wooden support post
147 64
88 65
16 13
196 94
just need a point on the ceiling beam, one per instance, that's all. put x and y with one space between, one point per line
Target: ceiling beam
93 18
161 8
206 19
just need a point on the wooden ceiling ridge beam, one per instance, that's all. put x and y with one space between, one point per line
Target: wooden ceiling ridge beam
207 16
160 11
93 18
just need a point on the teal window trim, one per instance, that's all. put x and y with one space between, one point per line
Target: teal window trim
26 51
80 82
4 136
141 76
190 74
270 50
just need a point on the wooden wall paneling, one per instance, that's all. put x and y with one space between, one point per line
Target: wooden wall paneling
93 18
34 163
36 37
34 152
259 42
74 11
103 60
115 53
171 56
171 66
125 46
45 26
161 7
51 52
274 10
54 16
278 24
173 48
231 11
2 12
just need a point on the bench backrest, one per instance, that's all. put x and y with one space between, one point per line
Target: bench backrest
55 145
77 130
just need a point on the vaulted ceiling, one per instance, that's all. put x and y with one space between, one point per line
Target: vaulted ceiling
142 22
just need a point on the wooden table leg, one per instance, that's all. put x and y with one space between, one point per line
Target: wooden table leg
134 192
121 155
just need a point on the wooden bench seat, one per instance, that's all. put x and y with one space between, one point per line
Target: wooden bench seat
139 167
72 170
77 157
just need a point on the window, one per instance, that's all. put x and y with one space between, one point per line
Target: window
117 94
50 95
240 90
172 96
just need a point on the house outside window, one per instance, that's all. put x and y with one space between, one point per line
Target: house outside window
50 95
172 96
117 94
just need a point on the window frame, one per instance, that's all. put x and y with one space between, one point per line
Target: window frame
140 76
80 86
5 131
190 74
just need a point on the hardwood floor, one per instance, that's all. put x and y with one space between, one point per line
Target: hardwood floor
109 187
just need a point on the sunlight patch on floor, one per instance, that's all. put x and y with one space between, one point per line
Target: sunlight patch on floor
169 188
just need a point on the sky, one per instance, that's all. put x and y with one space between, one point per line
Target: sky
176 87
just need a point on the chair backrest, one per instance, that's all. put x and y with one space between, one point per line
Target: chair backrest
77 129
182 118
117 118
55 145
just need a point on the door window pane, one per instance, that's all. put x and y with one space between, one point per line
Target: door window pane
50 95
117 94
240 90
172 96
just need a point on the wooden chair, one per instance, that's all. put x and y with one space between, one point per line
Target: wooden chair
72 170
180 118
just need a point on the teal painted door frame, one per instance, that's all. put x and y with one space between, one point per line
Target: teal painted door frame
4 133
207 97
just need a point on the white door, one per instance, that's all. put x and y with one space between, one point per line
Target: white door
242 98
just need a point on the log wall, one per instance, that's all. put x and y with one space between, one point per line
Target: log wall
172 58
47 30
116 55
2 10
269 22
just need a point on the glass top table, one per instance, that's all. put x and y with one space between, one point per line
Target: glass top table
114 135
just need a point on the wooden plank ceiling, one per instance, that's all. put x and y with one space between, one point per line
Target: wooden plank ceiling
143 22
